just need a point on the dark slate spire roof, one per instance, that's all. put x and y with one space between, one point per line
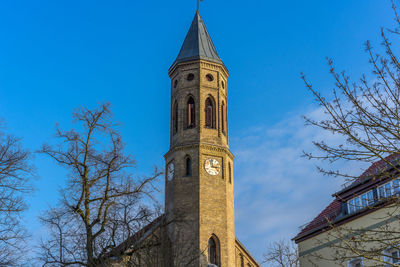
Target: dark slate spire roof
197 44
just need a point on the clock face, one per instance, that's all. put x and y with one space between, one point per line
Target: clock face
212 166
170 171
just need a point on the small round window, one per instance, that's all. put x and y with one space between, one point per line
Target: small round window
223 85
190 77
209 77
175 83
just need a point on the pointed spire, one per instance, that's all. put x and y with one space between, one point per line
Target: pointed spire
197 44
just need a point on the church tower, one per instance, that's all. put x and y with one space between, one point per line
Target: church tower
199 165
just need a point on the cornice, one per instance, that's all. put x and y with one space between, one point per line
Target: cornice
209 147
203 64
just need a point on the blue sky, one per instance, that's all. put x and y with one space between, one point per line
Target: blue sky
58 55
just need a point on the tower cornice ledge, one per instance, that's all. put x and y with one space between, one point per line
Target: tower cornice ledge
210 147
205 63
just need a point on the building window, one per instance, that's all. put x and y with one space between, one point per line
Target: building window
357 203
209 77
175 118
230 172
213 251
364 200
370 197
190 77
389 189
223 117
175 83
396 187
210 113
361 202
351 208
355 263
190 113
392 256
188 171
241 260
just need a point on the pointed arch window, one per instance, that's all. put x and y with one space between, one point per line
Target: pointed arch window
230 172
188 171
223 117
213 251
190 113
210 113
175 118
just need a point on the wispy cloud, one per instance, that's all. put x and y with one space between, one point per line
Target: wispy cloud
276 189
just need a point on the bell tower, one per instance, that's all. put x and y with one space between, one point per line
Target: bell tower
199 165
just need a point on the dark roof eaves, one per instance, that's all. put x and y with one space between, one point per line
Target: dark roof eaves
353 185
340 218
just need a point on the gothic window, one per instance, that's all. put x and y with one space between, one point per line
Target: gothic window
190 113
241 260
210 113
175 118
230 172
188 171
213 251
223 117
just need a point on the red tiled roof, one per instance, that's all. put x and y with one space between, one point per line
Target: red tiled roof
380 165
328 214
333 210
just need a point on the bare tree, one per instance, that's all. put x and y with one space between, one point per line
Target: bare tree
159 243
102 203
367 115
282 254
16 173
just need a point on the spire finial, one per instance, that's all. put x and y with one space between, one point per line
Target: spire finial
197 5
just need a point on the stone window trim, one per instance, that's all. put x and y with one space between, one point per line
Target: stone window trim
223 118
230 172
188 166
175 117
209 113
209 77
190 112
214 250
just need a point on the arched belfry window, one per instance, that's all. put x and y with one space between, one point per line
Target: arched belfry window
188 171
223 117
175 118
190 113
210 113
213 250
